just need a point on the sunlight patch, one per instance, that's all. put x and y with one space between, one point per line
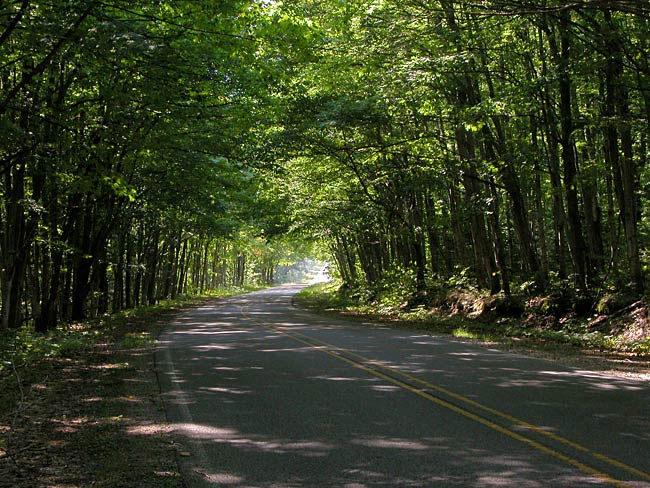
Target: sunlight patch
222 478
392 444
148 429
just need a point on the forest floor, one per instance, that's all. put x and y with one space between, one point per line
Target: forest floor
88 412
89 416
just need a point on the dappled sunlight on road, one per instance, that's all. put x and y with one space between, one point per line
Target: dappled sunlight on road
384 443
231 391
267 395
357 456
221 479
253 442
359 461
601 381
341 378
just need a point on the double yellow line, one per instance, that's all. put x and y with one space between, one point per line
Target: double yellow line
422 387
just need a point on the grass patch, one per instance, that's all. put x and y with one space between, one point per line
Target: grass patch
322 296
137 340
464 333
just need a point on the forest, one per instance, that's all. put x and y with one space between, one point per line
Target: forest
156 148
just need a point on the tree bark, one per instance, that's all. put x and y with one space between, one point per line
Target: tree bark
622 163
577 246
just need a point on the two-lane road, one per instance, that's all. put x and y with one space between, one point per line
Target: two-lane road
261 394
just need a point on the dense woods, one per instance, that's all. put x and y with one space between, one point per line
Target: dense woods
125 177
495 144
152 148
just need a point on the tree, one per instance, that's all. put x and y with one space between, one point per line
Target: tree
488 115
122 137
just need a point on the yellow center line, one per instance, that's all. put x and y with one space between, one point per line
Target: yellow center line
484 408
338 352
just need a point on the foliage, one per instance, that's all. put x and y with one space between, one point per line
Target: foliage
610 334
128 177
494 151
164 148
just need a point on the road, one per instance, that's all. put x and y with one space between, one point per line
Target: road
261 394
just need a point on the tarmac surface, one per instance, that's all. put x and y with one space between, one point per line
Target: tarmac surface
261 394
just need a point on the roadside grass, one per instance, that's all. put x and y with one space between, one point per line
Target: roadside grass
22 347
80 406
507 331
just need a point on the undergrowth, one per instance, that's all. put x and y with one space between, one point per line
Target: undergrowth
554 318
21 347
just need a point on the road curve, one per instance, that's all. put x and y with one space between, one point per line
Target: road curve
261 394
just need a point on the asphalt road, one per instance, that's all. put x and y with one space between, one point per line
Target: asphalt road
261 394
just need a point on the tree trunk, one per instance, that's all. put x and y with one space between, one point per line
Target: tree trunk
625 172
180 286
538 199
18 235
486 272
459 235
152 259
592 211
118 273
82 262
577 246
128 274
497 239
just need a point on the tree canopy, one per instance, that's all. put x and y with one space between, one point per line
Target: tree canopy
160 147
505 139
